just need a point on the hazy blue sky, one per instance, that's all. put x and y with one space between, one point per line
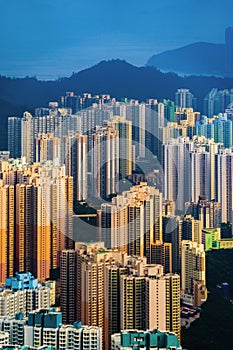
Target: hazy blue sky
51 38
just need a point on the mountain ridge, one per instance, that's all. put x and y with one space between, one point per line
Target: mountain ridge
199 58
115 77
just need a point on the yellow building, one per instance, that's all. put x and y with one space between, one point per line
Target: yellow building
36 218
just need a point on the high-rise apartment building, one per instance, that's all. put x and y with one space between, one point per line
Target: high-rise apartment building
173 303
168 208
115 291
86 100
185 99
191 229
68 273
27 137
47 148
113 223
209 103
186 116
161 253
105 162
112 303
133 220
14 137
7 229
36 223
192 265
177 171
124 128
216 101
223 175
208 212
172 233
55 121
169 110
204 128
71 264
150 299
76 161
200 173
223 130
155 119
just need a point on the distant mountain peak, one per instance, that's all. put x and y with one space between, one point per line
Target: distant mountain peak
199 58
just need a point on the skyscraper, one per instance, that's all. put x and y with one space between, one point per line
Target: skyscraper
208 212
191 229
209 103
177 185
7 229
133 220
172 233
36 222
113 223
124 128
47 148
68 273
223 130
27 137
200 173
116 291
192 266
14 137
185 99
105 162
76 161
161 253
150 300
223 175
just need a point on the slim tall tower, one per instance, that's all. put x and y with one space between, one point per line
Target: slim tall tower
14 137
76 160
124 128
48 148
177 185
27 134
192 265
200 174
184 99
7 242
172 234
24 227
105 162
224 174
173 303
68 286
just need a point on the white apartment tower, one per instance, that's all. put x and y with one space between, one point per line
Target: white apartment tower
224 181
27 134
177 186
